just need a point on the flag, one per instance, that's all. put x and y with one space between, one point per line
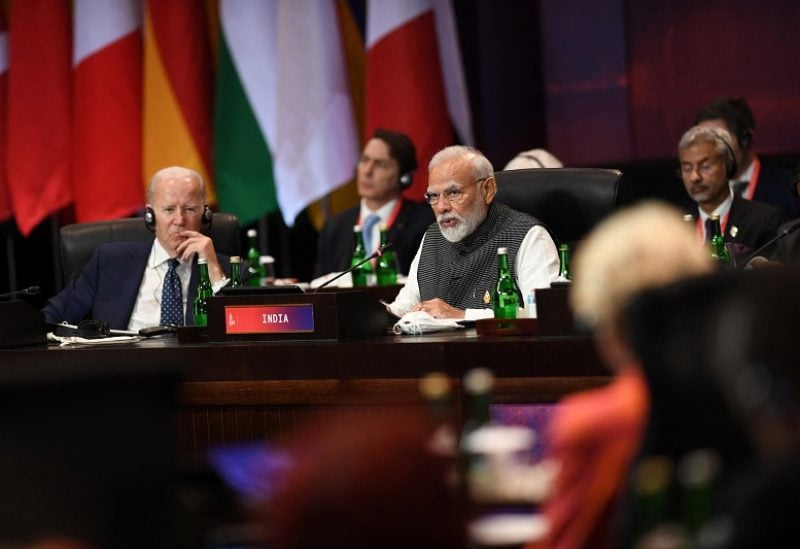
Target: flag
107 138
410 43
39 123
5 198
284 126
178 88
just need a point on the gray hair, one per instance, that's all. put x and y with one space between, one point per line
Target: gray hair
718 137
176 172
481 167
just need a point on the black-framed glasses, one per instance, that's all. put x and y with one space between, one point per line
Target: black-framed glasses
454 195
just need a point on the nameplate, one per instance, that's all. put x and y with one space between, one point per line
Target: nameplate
300 317
269 319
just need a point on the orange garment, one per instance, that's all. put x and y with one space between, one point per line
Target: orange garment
594 437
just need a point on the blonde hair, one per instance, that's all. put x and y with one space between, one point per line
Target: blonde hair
641 247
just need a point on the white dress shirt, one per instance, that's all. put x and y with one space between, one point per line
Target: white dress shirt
147 309
723 210
384 212
536 266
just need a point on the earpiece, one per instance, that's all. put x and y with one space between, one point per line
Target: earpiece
405 180
745 138
730 165
150 218
208 217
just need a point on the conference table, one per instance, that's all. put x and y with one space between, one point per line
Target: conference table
242 391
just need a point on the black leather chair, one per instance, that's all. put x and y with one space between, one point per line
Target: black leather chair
78 241
569 201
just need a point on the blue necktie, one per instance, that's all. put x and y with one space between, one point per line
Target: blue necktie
172 297
366 232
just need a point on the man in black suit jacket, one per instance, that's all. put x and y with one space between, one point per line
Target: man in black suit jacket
707 161
123 281
384 171
752 179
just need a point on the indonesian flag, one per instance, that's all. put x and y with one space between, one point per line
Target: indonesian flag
39 105
107 57
5 198
409 44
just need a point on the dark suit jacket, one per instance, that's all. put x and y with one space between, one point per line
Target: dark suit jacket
107 287
775 187
336 240
750 225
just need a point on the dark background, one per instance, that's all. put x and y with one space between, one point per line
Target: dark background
604 83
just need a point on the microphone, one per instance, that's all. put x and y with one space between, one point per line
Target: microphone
789 229
377 253
30 290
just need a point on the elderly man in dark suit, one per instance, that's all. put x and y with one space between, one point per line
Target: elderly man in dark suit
707 161
130 284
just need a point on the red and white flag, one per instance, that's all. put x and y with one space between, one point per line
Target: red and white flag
107 59
414 78
39 104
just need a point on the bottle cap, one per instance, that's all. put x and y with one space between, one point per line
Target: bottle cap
236 259
266 259
434 385
563 247
478 381
502 251
356 228
714 217
688 218
251 233
202 260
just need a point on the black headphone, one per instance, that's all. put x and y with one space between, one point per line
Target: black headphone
731 167
405 180
150 218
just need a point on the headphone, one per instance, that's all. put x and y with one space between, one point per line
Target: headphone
150 218
405 180
731 167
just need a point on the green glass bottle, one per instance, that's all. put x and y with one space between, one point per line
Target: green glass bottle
254 274
718 250
386 269
506 294
364 275
563 262
204 292
236 271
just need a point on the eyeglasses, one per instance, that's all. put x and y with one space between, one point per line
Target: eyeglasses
454 195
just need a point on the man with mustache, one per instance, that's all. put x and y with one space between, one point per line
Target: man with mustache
124 282
454 272
706 163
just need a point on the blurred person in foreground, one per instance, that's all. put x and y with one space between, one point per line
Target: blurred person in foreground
454 272
383 172
753 179
706 162
124 282
367 482
595 435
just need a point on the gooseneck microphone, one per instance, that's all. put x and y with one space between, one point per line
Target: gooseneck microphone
789 229
377 253
30 290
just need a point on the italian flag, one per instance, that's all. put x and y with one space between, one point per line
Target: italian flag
285 53
415 81
107 98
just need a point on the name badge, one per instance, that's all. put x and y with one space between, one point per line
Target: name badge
269 319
